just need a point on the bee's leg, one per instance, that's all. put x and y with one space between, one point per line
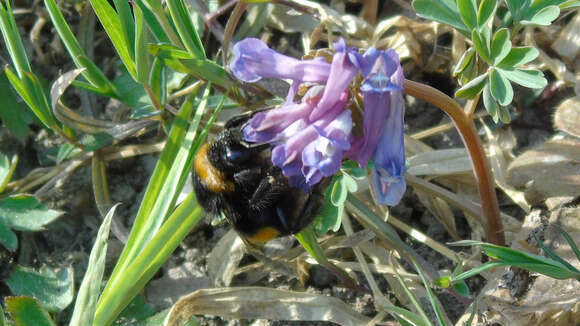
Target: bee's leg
267 191
249 177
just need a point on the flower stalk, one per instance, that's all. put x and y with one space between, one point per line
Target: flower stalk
481 168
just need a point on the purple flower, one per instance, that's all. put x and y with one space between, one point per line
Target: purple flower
383 124
343 69
254 60
381 70
310 136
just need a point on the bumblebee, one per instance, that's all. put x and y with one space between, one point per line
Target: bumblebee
237 179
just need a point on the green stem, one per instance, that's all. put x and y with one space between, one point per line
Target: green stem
483 175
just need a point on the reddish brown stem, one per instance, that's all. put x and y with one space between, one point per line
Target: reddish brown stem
479 162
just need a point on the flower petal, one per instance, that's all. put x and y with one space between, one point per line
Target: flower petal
344 68
388 181
254 60
383 77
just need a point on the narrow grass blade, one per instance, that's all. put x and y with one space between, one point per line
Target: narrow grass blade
421 317
88 294
111 22
554 255
185 28
141 54
12 39
441 318
167 179
92 73
144 267
570 242
152 22
127 26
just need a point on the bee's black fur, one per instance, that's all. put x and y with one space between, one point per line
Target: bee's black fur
252 193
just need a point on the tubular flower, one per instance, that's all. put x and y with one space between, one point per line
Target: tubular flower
383 124
310 136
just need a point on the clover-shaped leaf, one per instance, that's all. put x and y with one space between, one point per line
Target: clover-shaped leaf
486 10
500 45
543 17
519 56
468 12
501 89
474 87
530 78
443 11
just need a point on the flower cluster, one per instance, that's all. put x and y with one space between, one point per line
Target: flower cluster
311 135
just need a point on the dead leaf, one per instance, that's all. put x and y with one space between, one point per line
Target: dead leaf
175 283
567 116
550 170
263 303
568 42
224 259
438 162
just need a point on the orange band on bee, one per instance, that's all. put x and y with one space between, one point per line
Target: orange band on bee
211 177
264 234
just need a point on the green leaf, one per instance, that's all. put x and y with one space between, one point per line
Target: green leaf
500 45
543 17
530 78
7 168
53 287
12 39
203 69
432 299
468 12
571 242
554 256
152 22
26 88
461 288
516 7
443 281
504 114
464 61
127 27
486 10
481 44
150 259
137 310
519 56
490 103
501 89
13 112
90 289
8 238
141 54
184 26
67 151
26 311
132 93
158 80
25 213
570 4
472 88
134 267
436 11
111 23
92 73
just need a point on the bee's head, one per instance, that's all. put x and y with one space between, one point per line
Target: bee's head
230 154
